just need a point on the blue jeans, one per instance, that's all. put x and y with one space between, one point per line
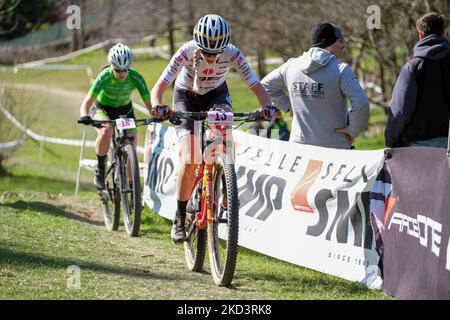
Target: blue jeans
440 142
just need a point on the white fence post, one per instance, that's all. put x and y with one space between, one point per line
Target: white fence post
77 186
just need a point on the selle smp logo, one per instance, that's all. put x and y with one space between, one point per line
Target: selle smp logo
356 215
298 197
352 211
265 189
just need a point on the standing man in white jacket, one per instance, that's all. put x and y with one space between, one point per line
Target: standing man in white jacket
319 86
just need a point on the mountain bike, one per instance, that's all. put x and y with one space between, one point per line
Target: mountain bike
213 209
122 179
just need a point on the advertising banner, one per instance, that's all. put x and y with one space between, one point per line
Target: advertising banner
302 204
410 210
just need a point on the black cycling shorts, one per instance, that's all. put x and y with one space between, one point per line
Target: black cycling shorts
113 113
185 100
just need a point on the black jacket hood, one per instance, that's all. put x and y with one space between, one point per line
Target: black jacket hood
432 47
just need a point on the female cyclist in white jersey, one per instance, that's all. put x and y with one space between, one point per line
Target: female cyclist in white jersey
199 67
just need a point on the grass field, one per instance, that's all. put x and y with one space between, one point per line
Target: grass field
44 232
44 228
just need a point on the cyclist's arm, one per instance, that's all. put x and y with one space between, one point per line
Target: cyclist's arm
148 104
262 95
240 64
178 61
157 92
86 105
93 93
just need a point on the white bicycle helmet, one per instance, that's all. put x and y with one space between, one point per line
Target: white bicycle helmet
212 33
120 56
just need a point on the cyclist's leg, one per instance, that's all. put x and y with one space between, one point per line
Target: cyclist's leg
102 143
190 157
104 134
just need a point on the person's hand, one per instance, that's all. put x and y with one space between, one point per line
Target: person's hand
86 120
347 135
161 112
269 112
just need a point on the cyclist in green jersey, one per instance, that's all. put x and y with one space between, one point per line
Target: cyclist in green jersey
111 93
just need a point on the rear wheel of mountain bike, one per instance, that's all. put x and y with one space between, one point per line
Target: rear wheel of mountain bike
223 232
131 190
110 196
195 247
195 244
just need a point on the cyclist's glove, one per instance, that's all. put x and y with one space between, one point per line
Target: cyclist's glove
161 112
269 112
86 120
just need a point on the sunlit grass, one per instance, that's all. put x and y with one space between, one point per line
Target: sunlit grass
40 234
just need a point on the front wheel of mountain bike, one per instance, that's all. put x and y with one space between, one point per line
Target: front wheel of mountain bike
131 190
224 230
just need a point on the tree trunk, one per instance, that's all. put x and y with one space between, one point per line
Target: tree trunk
170 27
75 44
192 22
262 71
356 61
383 87
109 21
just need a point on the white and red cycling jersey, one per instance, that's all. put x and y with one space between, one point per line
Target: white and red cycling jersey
212 75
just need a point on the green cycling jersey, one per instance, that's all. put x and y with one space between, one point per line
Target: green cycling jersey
114 93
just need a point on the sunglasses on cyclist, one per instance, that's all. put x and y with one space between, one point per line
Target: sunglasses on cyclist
208 54
121 70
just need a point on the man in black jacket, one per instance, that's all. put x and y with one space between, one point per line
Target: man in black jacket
420 106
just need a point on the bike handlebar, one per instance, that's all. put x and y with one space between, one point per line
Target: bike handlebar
175 117
247 116
138 122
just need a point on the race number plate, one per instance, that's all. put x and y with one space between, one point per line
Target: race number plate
218 117
125 123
